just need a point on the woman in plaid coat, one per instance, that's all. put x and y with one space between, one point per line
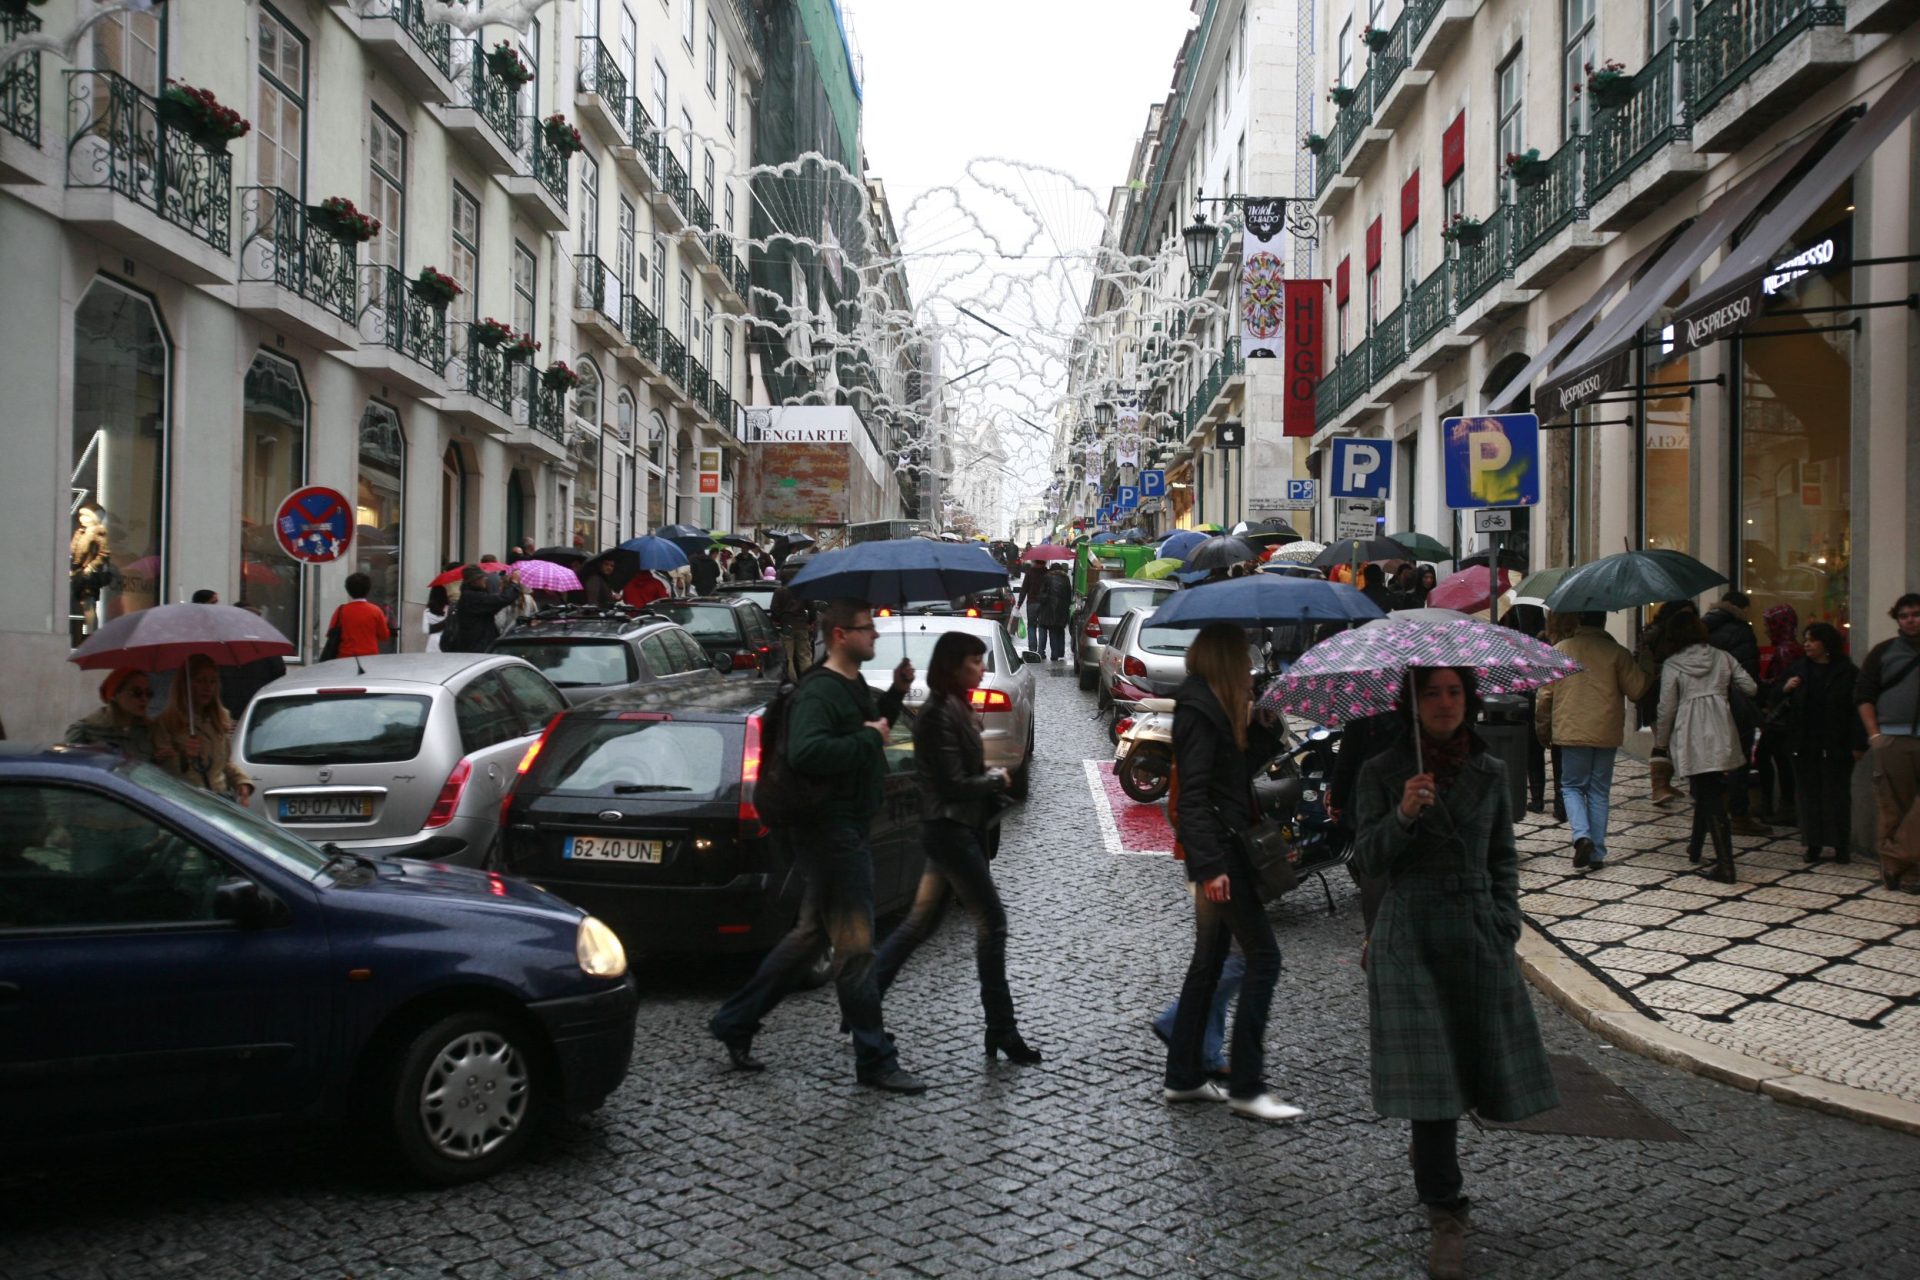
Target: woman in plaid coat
1452 1025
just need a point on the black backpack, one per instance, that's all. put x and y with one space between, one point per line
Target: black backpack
783 796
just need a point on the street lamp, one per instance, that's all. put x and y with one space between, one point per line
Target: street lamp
1103 414
1199 241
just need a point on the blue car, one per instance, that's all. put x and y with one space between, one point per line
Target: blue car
173 964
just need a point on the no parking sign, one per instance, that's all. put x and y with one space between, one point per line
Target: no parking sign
314 525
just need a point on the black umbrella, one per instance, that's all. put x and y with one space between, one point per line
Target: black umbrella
1273 526
1348 550
1218 553
1509 559
568 556
690 538
795 540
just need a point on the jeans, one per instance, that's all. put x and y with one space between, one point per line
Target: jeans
956 868
837 908
1213 1050
1824 787
1436 1162
1215 926
1048 642
1586 786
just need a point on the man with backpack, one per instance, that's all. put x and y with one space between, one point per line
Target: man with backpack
823 767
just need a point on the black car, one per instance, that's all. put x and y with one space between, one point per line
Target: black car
639 808
590 653
730 627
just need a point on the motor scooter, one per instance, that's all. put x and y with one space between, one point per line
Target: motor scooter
1143 758
1292 790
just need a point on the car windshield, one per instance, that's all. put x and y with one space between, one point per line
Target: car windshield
919 649
339 728
707 622
626 758
1122 599
1166 641
285 849
572 663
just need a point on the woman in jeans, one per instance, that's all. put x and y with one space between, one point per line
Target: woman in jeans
1215 804
1451 1022
959 797
1696 729
1824 733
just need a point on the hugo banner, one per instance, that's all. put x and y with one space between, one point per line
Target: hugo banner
1306 337
1262 273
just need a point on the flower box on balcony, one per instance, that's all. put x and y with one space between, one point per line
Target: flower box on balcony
523 348
1375 38
505 66
1610 86
561 137
558 377
1464 230
1526 168
1340 95
492 333
1314 143
337 217
200 115
435 288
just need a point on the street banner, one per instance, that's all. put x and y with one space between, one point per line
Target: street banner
1363 468
1306 337
709 471
1126 451
1492 461
1262 272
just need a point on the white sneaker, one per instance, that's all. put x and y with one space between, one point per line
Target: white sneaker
1264 1106
1211 1091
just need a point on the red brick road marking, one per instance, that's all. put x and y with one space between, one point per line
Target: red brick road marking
1127 827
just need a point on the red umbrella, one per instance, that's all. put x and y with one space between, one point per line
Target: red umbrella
448 578
1048 551
164 637
1466 590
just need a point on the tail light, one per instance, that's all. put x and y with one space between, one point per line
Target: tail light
1133 667
448 800
990 700
748 815
973 613
1123 726
883 613
520 771
745 661
1093 629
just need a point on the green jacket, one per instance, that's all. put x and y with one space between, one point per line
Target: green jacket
827 739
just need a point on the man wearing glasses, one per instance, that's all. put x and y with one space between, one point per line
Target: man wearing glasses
836 736
1888 692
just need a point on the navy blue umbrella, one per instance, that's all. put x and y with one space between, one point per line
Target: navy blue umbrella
1102 538
1263 600
1178 544
655 553
895 573
690 538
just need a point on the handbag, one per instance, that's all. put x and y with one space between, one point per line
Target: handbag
1269 852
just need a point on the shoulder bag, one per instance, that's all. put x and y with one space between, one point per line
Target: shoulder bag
1269 852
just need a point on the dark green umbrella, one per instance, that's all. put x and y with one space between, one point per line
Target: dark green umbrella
1509 559
1421 547
1631 579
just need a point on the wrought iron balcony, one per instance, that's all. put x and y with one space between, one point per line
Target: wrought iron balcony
283 245
1356 372
545 411
643 330
722 405
1427 307
489 372
1541 210
599 73
549 166
1734 38
1353 118
673 177
116 141
1653 114
697 210
1756 62
435 39
20 81
699 384
1388 350
395 317
596 287
673 357
645 134
1484 263
491 98
1326 397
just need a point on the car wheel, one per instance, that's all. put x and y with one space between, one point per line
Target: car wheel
1021 780
1089 675
464 1096
1144 774
819 971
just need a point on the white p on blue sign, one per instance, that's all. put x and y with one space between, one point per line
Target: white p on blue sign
1153 484
1361 468
1127 497
1302 492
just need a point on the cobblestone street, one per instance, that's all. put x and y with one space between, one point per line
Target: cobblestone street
1072 1168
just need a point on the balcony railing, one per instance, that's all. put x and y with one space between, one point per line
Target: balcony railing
643 330
600 74
1427 307
1419 16
393 316
117 141
549 166
645 135
722 405
1483 264
1391 60
546 411
435 39
489 96
1734 38
1355 372
699 385
1653 115
1353 118
281 243
673 357
596 287
20 82
1326 397
488 374
698 211
1389 350
1543 210
673 176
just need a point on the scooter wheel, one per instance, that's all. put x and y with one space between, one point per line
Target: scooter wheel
1144 774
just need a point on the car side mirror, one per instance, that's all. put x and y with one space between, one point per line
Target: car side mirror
723 663
1032 655
244 903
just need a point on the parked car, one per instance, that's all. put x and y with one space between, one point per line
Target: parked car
1096 615
639 808
1004 699
759 591
728 626
591 655
404 753
1142 661
172 964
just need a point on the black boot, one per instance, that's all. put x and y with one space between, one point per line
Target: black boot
1723 850
1010 1043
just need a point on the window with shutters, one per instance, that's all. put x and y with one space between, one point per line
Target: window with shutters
280 118
589 205
526 280
387 190
463 254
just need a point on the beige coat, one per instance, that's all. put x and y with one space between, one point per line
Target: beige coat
1585 710
1696 712
213 770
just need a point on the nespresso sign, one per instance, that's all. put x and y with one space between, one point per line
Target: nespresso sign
1563 396
1725 312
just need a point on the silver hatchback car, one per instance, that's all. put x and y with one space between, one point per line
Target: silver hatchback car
1142 660
1004 699
1097 616
406 754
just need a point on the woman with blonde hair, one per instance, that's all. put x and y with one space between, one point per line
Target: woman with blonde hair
199 732
1215 804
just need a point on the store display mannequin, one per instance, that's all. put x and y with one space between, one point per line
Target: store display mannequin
89 567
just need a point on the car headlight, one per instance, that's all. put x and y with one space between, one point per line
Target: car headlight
599 951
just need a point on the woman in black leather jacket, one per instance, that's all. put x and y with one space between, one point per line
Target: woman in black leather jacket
959 799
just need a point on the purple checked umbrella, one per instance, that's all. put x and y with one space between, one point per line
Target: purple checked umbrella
1367 671
544 575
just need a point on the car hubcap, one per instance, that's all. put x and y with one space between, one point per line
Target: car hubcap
474 1095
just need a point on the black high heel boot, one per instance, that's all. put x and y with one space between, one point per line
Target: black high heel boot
1010 1043
1722 850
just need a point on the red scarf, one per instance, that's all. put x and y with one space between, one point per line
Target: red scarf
1446 757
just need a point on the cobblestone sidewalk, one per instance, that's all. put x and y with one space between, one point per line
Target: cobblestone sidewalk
1815 969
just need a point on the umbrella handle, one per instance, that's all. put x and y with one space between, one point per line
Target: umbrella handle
1413 705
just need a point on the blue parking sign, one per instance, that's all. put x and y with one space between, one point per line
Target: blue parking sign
1361 468
1126 498
1492 461
1153 484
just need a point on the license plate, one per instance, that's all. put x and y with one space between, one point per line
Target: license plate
325 808
1119 753
603 849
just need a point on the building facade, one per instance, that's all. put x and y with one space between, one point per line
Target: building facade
1682 234
193 330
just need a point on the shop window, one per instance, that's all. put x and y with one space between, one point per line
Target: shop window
273 463
453 506
586 496
519 518
117 492
379 505
1666 495
586 396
